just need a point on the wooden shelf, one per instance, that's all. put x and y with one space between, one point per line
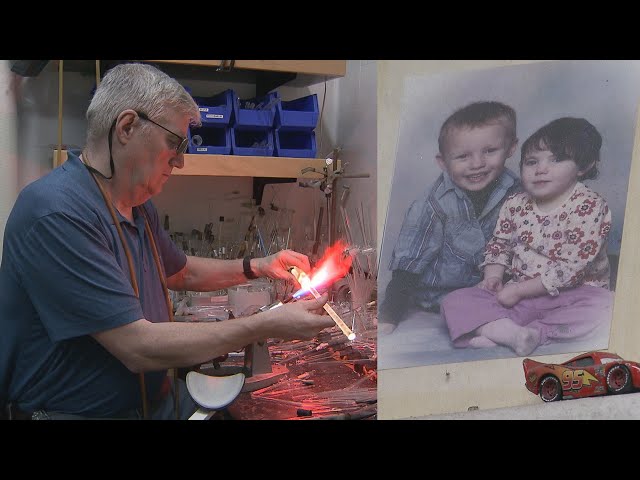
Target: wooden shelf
243 166
334 68
265 74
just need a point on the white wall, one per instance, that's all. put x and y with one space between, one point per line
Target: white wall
357 134
8 144
38 119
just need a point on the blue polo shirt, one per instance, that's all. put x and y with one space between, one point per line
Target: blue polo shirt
64 275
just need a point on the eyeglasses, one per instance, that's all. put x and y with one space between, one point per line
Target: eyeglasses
184 142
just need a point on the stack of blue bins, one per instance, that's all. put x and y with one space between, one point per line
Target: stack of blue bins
214 136
260 126
252 127
295 123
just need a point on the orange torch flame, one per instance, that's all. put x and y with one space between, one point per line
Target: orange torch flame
333 265
305 281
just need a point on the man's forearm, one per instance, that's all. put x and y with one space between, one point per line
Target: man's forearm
208 274
200 342
146 346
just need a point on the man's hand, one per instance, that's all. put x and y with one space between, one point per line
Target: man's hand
300 320
491 284
509 295
277 266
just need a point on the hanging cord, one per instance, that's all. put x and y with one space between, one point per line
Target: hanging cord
167 299
134 281
60 90
324 97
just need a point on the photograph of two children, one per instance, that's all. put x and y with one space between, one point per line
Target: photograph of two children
504 224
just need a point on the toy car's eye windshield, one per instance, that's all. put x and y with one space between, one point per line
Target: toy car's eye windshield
581 363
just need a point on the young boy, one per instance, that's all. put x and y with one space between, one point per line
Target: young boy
444 233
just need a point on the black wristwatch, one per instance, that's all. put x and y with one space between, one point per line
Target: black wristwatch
246 268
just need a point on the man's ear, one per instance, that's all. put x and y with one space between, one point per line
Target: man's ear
441 162
124 125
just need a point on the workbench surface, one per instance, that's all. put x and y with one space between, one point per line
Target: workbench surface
341 385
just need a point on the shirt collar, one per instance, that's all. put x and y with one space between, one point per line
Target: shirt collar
448 186
73 162
73 159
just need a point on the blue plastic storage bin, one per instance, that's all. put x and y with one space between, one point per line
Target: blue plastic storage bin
295 143
298 114
256 112
215 140
217 109
254 142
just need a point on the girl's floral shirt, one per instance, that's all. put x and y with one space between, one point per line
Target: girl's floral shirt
567 246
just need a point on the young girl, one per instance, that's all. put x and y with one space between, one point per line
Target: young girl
551 242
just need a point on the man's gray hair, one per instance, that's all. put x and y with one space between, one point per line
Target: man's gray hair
139 87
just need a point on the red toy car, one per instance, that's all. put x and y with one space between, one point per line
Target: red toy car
589 374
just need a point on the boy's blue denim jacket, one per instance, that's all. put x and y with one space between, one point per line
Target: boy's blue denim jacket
443 240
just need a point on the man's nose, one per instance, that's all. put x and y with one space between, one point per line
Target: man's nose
177 161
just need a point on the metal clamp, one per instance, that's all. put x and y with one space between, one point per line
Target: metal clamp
225 68
326 183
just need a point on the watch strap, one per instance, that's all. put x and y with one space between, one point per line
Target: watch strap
246 268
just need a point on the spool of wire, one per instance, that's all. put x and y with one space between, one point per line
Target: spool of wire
196 140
